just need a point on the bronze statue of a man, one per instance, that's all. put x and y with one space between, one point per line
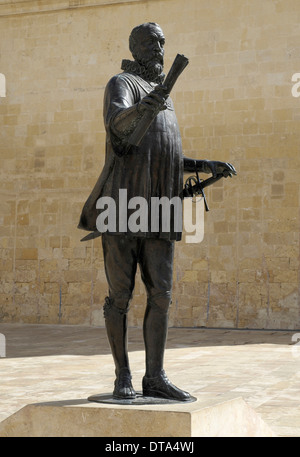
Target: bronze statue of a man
152 169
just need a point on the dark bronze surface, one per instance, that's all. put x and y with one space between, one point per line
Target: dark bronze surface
144 157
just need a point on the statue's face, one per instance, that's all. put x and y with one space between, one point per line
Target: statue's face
150 46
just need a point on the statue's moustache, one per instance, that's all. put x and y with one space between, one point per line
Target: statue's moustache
158 56
153 58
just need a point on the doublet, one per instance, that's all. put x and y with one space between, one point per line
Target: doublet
153 169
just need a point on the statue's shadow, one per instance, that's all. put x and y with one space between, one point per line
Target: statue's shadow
138 400
107 398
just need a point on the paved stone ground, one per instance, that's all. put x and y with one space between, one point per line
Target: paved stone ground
48 363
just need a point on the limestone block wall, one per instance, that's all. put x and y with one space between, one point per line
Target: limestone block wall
237 102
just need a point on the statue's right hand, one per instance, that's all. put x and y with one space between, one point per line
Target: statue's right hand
155 101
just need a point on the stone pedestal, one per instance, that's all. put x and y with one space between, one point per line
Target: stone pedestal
81 418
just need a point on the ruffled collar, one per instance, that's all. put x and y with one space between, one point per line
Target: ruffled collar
132 66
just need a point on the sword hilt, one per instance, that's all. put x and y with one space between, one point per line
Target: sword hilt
202 191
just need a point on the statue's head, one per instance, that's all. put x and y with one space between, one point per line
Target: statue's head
146 43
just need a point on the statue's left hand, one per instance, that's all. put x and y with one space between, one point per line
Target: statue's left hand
219 168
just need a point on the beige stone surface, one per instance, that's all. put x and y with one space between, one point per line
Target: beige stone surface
67 364
231 418
234 103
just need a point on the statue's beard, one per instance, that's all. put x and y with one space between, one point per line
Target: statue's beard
153 70
153 65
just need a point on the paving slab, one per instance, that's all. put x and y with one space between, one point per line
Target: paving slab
53 363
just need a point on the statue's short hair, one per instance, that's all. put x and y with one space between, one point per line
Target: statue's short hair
134 37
